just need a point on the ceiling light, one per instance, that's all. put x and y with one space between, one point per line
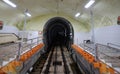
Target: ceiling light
28 14
89 3
10 3
78 14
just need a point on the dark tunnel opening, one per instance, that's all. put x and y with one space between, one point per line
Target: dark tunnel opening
58 31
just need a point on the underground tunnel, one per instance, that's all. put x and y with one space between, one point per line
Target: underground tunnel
58 31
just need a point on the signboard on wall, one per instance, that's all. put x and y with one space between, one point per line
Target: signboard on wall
118 21
1 25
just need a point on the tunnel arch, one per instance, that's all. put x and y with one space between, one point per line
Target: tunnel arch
58 31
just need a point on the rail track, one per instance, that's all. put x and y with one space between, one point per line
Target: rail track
57 61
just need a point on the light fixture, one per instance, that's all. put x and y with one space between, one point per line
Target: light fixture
10 3
78 14
89 3
28 14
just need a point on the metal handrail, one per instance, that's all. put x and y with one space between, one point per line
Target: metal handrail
108 46
107 55
113 44
97 44
20 46
33 38
28 44
88 46
31 43
19 41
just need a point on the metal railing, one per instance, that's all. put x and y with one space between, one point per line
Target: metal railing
12 51
113 45
103 52
27 45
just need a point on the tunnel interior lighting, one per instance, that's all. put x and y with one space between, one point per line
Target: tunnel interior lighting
28 14
10 3
89 3
78 14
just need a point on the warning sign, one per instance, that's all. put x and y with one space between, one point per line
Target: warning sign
1 25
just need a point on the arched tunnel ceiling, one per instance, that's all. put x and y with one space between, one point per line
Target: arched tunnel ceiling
105 13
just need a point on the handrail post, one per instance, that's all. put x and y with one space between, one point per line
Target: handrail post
96 52
19 50
84 43
37 40
108 44
31 44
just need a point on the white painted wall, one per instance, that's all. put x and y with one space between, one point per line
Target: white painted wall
23 34
9 29
104 35
32 34
29 35
109 34
80 36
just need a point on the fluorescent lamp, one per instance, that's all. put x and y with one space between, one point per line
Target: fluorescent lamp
28 14
89 3
78 14
10 3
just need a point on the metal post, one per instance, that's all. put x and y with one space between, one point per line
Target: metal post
92 26
23 35
19 50
25 19
37 40
24 26
93 33
77 41
31 44
96 52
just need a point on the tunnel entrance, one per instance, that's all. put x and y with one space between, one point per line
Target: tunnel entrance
58 31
